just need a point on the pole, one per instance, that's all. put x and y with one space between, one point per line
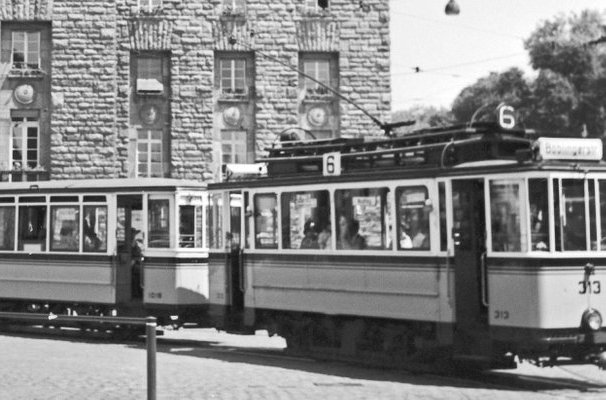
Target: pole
150 340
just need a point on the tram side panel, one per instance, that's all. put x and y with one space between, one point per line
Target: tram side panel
176 282
58 279
374 287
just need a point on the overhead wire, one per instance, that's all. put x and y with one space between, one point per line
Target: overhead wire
497 33
418 70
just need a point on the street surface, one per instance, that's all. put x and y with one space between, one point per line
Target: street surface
205 364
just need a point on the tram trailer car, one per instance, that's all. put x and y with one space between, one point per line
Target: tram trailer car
478 244
125 247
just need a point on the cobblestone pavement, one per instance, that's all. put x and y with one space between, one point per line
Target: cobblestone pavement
203 364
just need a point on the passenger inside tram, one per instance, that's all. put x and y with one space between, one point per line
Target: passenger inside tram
349 236
310 235
413 234
324 238
538 228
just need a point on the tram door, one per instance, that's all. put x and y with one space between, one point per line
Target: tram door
469 235
235 260
129 237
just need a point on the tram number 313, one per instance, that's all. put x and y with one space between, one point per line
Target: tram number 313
594 287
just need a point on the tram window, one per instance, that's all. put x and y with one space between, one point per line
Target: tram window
413 217
158 220
602 189
442 207
32 228
94 199
266 221
95 228
7 228
65 228
190 226
508 234
592 218
215 233
539 218
363 219
573 225
306 220
64 199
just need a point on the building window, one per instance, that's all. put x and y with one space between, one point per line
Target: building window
149 5
26 50
320 71
233 147
316 4
322 67
25 139
232 6
149 153
233 76
150 75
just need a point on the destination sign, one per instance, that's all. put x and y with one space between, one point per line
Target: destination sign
569 149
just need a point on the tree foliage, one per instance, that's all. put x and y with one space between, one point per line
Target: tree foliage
569 91
424 117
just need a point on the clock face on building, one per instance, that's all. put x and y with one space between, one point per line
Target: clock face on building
24 94
232 116
317 116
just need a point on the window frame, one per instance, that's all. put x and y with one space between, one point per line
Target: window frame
234 6
11 233
234 143
423 208
76 207
276 224
232 69
25 123
314 5
148 5
27 34
312 222
148 142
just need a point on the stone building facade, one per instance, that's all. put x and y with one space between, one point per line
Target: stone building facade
174 88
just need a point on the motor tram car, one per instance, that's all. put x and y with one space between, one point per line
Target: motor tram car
479 243
125 247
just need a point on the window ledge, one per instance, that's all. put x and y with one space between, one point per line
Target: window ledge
314 13
144 12
26 73
318 97
235 97
235 13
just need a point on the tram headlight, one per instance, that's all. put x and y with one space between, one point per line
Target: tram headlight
592 319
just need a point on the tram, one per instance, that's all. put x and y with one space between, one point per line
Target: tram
480 243
123 247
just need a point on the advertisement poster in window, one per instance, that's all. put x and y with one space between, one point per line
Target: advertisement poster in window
367 210
65 229
300 211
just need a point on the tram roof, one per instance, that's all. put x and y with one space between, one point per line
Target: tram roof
483 146
103 185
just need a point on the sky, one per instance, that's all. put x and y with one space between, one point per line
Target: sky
453 52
